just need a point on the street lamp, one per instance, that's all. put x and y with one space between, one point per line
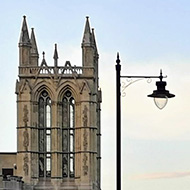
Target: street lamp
160 98
161 95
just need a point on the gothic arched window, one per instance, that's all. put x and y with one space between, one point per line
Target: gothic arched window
44 135
68 135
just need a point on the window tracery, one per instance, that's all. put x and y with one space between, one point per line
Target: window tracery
44 135
68 135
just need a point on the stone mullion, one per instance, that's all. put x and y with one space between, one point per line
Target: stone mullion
54 142
59 138
85 136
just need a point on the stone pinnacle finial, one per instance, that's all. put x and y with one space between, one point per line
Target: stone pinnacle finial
34 49
55 52
93 40
24 36
55 56
87 33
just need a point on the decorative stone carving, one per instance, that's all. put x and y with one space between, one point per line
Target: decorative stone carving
85 117
25 117
85 121
25 133
26 139
85 140
65 165
33 161
25 166
25 87
85 87
85 167
41 140
41 164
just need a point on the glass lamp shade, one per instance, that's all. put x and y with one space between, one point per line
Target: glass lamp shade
161 95
161 102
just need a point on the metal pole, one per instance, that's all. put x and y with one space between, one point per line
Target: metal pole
118 124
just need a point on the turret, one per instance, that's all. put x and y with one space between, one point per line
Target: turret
33 50
24 45
89 49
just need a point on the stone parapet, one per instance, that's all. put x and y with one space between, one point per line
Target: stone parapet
13 183
56 71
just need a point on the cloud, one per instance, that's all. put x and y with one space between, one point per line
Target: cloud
163 175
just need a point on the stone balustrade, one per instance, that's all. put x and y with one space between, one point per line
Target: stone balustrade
56 71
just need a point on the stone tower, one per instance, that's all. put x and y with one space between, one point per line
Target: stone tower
58 111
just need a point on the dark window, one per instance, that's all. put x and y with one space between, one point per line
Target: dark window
68 135
6 172
44 135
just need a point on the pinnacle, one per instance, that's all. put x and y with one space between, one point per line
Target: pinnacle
24 36
55 56
87 33
93 39
34 48
55 52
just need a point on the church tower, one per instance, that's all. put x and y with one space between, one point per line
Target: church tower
58 111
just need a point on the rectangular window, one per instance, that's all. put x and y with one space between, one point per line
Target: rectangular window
41 165
48 165
48 141
71 165
6 172
48 116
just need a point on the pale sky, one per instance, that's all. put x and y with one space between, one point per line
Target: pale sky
150 35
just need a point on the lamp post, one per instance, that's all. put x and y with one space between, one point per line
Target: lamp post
160 98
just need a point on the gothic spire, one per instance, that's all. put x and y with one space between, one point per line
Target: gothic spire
55 57
87 34
34 49
94 40
24 36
